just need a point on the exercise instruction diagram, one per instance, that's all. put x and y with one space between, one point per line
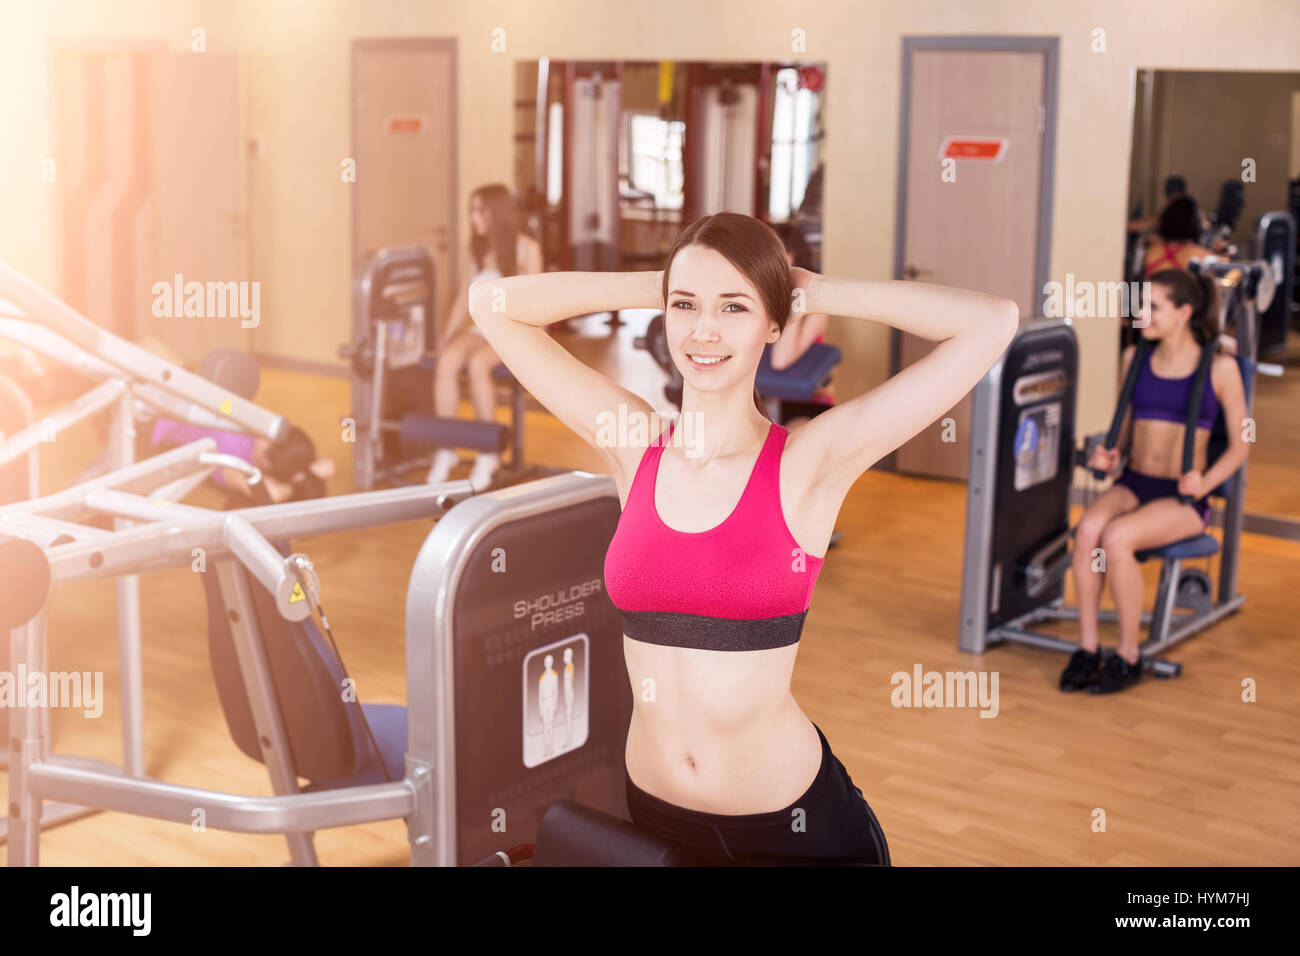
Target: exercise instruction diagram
555 699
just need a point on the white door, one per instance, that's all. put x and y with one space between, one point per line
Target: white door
973 222
404 133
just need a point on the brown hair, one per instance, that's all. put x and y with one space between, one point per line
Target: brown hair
754 248
1201 292
503 228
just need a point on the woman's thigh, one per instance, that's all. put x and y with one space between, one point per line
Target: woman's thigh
1105 508
1159 522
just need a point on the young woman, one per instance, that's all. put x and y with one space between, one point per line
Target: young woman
497 248
1141 510
719 545
1177 238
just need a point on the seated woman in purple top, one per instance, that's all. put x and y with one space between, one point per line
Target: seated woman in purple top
1142 510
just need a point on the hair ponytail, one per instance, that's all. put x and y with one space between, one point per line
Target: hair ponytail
1205 318
1201 292
761 405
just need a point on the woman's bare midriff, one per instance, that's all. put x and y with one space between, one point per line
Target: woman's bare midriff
1157 448
718 731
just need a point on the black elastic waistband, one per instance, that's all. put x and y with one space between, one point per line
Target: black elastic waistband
702 632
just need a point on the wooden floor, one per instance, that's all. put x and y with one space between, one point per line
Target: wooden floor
1184 770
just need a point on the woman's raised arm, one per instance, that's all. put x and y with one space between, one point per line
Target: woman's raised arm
512 312
972 330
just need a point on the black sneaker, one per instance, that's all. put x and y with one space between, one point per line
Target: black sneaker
1116 675
1081 671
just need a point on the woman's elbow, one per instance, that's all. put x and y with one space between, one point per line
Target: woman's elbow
1004 321
1009 315
484 296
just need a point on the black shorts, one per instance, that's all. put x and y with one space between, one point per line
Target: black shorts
1147 488
836 826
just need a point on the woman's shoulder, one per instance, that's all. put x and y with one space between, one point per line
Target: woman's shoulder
1224 364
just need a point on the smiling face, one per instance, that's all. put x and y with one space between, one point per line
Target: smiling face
715 321
1163 316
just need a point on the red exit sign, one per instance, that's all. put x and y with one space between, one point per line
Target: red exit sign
988 149
406 123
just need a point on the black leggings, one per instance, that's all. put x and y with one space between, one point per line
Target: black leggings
836 828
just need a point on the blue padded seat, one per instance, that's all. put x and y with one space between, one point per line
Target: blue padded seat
327 739
797 382
388 724
1201 546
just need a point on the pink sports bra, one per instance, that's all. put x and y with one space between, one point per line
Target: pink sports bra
743 585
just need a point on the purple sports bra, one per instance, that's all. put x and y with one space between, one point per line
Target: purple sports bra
1165 399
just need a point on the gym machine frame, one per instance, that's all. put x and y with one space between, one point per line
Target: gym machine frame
426 797
161 534
131 379
1243 286
394 322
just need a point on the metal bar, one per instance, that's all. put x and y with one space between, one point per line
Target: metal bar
81 408
1162 611
130 656
181 488
45 531
262 700
119 504
295 813
164 543
56 348
134 478
269 567
374 441
982 470
183 410
1072 614
26 744
52 814
1190 624
41 306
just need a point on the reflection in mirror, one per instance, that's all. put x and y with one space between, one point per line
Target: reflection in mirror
1215 172
614 157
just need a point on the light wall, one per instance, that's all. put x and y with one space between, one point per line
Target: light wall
298 68
1211 122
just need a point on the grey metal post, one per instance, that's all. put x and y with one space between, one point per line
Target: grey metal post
256 670
374 435
25 746
128 616
981 487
